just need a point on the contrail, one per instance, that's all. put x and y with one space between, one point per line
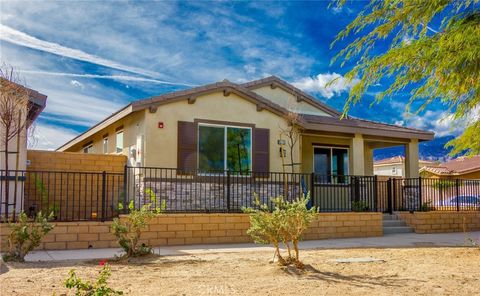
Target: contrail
17 37
111 77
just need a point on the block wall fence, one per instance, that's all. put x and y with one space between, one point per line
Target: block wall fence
185 229
436 222
76 162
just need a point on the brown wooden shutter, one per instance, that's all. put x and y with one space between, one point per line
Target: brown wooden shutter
187 146
261 150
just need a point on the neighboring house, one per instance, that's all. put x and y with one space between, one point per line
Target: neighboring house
395 166
225 125
17 150
461 168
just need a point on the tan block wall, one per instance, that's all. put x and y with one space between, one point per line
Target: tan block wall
435 222
185 229
74 162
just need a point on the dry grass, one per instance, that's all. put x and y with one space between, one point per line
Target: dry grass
413 271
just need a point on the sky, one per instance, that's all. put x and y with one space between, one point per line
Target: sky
93 57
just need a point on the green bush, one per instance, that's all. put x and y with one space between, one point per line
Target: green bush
128 233
426 206
285 224
25 235
360 206
86 288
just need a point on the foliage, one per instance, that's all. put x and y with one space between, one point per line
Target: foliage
26 235
426 206
46 206
443 184
359 206
128 233
153 201
86 288
437 64
285 224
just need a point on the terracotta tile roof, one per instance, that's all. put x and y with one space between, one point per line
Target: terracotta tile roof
391 160
460 165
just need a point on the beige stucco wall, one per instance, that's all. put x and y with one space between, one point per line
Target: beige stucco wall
161 144
283 98
133 126
386 170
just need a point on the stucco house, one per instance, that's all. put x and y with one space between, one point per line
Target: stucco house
461 168
395 166
17 152
232 126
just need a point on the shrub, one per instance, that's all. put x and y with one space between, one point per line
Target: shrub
426 206
285 224
128 233
86 288
25 235
360 206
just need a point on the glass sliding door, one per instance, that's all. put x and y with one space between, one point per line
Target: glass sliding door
330 164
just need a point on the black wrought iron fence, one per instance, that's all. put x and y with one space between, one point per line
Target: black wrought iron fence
71 196
78 196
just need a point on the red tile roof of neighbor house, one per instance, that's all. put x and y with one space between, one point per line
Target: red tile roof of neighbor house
460 165
399 159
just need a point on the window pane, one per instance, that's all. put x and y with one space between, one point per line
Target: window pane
339 164
105 145
239 147
321 163
211 151
119 142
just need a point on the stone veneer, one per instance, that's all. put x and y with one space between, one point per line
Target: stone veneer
185 229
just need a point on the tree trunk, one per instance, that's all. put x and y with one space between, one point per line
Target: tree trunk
7 181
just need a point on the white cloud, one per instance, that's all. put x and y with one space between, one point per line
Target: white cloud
318 84
50 137
16 37
76 83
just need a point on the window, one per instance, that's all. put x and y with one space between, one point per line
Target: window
330 164
88 148
224 148
394 170
119 142
105 145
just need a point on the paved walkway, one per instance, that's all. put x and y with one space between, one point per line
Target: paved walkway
403 240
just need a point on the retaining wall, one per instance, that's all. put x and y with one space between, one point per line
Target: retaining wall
435 222
185 229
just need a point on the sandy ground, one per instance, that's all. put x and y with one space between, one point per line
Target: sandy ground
413 271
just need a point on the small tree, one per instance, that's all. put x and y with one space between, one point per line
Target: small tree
14 98
86 288
285 224
292 133
128 233
26 235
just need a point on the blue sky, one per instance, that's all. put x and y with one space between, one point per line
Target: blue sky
91 58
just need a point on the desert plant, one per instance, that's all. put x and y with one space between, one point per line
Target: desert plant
44 199
285 224
359 206
426 206
86 288
128 233
25 235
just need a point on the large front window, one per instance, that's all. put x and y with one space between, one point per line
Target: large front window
330 164
224 148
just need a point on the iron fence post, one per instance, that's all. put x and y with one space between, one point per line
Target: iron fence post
375 192
457 191
228 190
125 180
389 195
420 193
104 204
312 188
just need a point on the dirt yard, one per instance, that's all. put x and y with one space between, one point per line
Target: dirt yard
419 271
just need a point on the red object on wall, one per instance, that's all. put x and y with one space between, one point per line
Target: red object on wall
160 124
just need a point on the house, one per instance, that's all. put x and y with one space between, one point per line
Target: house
395 166
459 168
17 147
231 126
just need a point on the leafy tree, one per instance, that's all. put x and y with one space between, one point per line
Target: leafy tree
26 235
441 63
